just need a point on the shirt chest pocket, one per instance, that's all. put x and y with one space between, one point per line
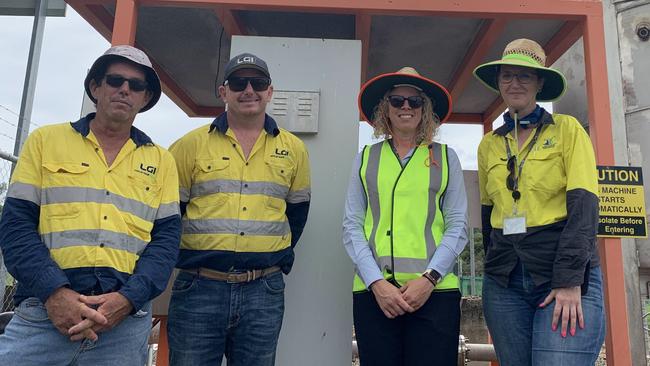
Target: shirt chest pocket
279 178
59 174
544 171
497 172
144 191
64 183
212 183
279 172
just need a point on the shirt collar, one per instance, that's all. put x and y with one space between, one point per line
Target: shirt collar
221 124
546 119
83 127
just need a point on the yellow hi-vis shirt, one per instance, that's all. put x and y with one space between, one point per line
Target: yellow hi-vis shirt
237 207
96 220
561 160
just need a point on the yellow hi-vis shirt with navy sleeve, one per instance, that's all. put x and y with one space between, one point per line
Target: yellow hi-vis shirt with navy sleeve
562 159
108 228
241 213
559 198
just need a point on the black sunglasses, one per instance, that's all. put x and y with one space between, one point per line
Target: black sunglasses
238 84
510 180
397 101
117 81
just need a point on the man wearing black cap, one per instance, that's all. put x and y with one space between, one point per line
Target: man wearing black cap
245 192
91 226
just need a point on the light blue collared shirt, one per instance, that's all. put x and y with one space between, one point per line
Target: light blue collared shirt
454 211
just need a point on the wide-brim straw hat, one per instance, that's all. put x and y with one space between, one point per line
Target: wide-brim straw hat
374 90
526 53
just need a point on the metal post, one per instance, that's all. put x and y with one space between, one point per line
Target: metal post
472 263
29 88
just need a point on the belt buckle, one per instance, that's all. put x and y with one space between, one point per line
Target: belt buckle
232 278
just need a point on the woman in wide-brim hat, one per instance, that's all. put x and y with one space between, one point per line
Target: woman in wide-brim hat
542 287
404 226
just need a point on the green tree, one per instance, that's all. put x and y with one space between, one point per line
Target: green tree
479 254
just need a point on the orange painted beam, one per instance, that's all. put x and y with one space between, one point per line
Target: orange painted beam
95 15
490 31
494 110
230 22
600 128
487 127
455 8
561 41
465 118
126 22
362 25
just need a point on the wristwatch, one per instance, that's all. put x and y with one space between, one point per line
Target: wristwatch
432 275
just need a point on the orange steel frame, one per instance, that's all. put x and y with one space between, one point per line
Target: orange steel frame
582 18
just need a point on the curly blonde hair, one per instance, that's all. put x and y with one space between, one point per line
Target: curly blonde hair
426 130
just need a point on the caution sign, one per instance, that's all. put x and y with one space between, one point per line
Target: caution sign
622 202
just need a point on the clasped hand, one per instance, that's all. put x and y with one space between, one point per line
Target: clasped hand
82 317
395 301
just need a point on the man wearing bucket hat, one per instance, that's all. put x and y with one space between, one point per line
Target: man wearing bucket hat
405 225
245 193
91 226
542 289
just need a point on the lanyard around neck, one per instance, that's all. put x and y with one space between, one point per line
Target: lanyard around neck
538 130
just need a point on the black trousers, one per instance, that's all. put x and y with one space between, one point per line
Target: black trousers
427 337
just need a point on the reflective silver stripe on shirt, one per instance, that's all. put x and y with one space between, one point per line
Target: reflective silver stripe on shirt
24 191
184 194
372 173
435 179
232 226
77 194
405 265
167 210
302 195
237 186
95 238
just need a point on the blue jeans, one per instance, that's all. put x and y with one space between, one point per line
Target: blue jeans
521 330
31 339
209 319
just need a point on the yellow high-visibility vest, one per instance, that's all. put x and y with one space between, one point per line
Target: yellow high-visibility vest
404 222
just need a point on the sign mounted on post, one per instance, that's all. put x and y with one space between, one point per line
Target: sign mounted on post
621 202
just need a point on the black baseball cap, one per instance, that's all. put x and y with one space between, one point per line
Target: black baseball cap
245 61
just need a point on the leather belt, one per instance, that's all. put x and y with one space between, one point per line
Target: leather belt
232 277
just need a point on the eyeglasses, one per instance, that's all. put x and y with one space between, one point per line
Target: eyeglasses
116 81
238 84
511 180
523 78
397 101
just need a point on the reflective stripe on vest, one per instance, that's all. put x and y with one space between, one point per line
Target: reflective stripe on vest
403 229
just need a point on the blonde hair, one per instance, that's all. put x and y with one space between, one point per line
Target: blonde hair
426 130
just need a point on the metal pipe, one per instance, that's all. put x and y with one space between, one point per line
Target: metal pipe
466 351
7 156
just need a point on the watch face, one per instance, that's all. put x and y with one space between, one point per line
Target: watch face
435 274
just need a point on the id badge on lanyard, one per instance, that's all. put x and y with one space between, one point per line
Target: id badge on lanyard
516 222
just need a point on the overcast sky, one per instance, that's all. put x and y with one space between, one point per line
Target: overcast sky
70 45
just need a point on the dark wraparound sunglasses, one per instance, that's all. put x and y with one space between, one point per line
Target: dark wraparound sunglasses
397 101
238 84
116 81
510 180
